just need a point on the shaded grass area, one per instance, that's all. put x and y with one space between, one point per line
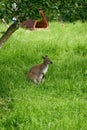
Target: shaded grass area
61 101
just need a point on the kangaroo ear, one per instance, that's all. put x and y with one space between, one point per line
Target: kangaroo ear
44 56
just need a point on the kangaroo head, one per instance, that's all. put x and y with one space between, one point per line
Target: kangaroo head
46 60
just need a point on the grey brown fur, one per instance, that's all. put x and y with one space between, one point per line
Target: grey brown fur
37 72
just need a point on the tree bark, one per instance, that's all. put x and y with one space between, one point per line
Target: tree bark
8 33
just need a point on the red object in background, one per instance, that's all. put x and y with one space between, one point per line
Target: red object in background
35 24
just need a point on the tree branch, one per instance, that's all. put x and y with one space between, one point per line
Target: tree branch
8 33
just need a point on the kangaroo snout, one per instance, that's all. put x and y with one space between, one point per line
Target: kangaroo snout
37 72
51 62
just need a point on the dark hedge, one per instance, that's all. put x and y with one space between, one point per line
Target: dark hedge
62 10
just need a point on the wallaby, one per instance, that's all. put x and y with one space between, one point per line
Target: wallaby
37 73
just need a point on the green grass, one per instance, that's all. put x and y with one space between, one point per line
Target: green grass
60 103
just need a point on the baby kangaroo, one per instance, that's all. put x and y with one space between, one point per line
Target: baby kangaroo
37 73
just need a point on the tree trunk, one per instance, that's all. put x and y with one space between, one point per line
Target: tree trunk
8 33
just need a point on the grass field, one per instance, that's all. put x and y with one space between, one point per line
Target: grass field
60 103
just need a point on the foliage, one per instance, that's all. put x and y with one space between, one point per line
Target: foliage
60 103
66 10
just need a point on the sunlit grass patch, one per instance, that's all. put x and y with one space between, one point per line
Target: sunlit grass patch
59 102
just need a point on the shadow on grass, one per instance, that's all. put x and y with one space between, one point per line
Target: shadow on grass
2 32
12 74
